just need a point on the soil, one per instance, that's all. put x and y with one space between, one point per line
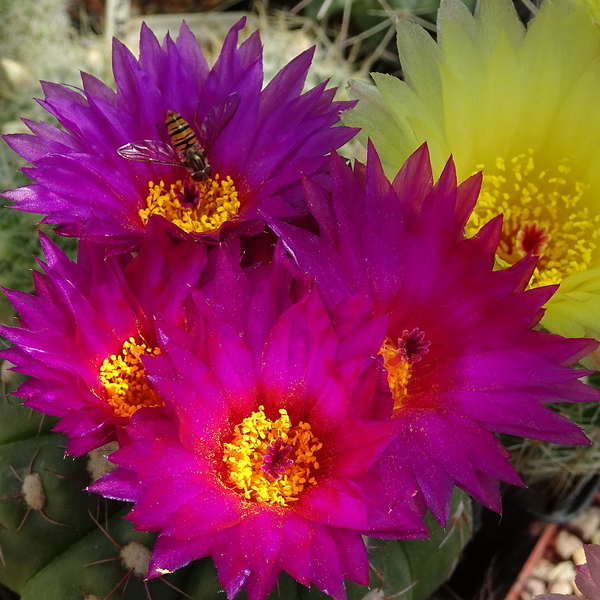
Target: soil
517 555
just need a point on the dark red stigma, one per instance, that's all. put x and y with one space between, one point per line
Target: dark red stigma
188 197
412 345
275 460
533 238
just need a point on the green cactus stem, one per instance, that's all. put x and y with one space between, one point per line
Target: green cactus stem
60 542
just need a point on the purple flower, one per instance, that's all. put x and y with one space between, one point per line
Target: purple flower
82 336
588 575
202 147
266 466
460 355
587 578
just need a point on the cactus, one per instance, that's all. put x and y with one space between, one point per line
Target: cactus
60 542
562 480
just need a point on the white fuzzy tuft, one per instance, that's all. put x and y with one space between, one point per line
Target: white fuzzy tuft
33 491
136 558
5 373
98 463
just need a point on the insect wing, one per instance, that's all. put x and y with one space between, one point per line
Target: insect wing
150 151
216 120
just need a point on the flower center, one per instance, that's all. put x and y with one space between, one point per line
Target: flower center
271 461
194 206
545 212
125 382
399 358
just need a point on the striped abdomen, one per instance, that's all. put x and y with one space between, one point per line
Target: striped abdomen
179 130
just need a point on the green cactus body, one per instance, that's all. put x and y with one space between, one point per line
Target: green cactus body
74 545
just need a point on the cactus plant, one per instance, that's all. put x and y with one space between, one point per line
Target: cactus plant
562 480
60 542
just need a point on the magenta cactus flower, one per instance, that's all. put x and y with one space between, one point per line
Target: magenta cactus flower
205 148
82 336
588 575
460 355
266 467
587 578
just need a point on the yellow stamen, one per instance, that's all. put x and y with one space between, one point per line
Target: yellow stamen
216 201
399 371
244 457
125 381
547 208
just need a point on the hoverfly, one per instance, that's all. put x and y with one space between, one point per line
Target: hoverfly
186 149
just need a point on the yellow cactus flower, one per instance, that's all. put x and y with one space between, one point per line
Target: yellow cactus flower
594 8
521 105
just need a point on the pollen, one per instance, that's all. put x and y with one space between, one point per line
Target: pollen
271 461
398 361
194 206
124 379
546 212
